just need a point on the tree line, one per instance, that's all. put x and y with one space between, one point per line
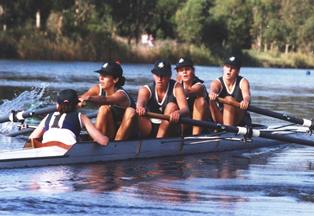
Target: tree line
217 25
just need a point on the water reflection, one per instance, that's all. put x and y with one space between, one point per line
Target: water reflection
152 177
49 182
100 178
191 179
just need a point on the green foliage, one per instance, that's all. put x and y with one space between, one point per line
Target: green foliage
7 46
163 22
132 17
279 25
277 59
236 16
306 35
190 20
205 29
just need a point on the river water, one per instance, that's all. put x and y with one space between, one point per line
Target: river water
267 181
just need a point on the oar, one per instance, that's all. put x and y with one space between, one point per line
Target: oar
21 132
282 116
21 115
237 130
30 129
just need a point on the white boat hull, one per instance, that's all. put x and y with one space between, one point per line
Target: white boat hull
88 152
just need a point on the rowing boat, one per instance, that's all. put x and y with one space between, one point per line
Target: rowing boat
89 152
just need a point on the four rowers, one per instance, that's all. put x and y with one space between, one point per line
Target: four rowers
120 118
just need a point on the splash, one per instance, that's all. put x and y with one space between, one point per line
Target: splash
27 100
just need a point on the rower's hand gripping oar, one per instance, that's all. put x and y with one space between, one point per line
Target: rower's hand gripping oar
238 130
304 122
16 116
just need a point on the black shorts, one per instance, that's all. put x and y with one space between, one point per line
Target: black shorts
155 128
154 131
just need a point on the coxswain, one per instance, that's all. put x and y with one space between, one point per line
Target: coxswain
64 126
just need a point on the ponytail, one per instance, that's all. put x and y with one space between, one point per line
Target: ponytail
120 82
66 107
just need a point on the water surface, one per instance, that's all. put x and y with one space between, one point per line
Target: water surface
267 181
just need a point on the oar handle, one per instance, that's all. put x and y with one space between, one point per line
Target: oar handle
229 102
157 116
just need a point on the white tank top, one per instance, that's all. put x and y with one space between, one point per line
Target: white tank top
60 135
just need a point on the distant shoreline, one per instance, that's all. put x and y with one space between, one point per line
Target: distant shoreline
39 47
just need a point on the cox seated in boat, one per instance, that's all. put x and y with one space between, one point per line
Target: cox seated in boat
116 111
164 96
64 126
230 86
195 92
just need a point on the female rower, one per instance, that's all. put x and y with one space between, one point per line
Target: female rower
115 115
64 126
163 96
195 92
230 86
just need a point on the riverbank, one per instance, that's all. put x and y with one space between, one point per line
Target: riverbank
280 60
100 47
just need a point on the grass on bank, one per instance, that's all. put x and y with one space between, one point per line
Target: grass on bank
102 47
281 60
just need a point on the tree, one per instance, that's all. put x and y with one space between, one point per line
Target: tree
280 24
262 12
306 35
132 17
163 22
236 16
296 16
190 21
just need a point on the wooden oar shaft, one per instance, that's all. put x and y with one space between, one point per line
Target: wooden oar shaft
158 116
237 130
229 102
282 116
